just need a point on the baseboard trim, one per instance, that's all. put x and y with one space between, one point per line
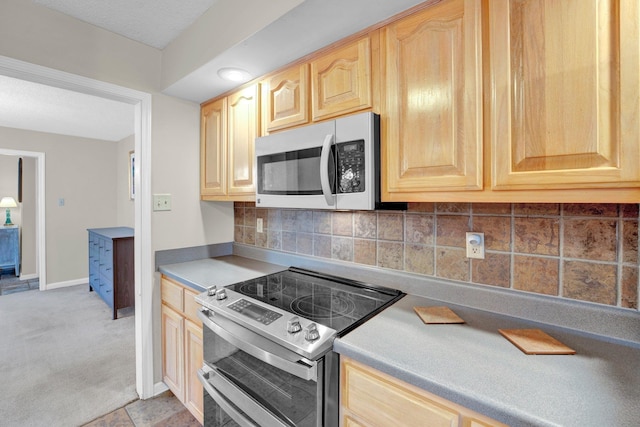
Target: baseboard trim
159 388
56 285
28 276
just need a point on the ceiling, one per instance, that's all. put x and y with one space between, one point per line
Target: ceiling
155 23
42 108
304 29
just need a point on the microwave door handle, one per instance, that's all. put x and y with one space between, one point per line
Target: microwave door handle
324 169
229 409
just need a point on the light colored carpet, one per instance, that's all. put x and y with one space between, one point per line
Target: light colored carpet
63 361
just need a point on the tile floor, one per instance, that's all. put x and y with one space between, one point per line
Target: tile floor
164 410
10 284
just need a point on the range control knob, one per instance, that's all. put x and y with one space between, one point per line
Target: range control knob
311 332
293 325
221 294
211 290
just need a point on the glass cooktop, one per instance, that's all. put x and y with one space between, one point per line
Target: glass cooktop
331 301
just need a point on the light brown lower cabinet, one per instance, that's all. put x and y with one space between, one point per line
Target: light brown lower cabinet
182 345
370 398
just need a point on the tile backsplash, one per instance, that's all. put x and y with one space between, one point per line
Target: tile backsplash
585 252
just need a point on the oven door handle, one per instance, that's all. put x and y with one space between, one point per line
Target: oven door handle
261 348
227 407
239 395
325 155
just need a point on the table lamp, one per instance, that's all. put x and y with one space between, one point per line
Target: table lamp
8 202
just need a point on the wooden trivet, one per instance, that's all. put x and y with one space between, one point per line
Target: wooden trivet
437 315
535 341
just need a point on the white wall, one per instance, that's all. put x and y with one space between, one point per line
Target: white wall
176 171
38 35
82 172
60 42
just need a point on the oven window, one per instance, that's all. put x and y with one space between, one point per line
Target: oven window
245 380
293 173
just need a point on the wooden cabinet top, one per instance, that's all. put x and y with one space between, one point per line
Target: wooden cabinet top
113 232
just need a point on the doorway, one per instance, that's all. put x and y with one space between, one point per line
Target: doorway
30 180
144 265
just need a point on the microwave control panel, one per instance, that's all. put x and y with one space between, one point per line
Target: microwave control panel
351 166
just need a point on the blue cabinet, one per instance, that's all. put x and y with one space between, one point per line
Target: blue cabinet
111 263
10 248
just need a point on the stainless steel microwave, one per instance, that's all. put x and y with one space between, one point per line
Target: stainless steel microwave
328 165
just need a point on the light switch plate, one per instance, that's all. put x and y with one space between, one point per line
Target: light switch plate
162 202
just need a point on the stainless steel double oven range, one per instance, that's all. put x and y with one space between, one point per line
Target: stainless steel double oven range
268 358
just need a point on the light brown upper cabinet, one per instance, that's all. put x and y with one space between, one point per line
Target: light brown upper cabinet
341 80
432 101
213 148
243 130
565 94
285 98
229 127
480 101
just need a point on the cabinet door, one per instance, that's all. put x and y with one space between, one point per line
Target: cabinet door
565 93
433 93
213 151
341 80
173 351
372 398
285 98
242 132
193 398
385 403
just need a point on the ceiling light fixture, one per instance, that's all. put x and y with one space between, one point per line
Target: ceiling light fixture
234 74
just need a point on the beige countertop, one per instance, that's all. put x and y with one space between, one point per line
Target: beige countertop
219 271
473 365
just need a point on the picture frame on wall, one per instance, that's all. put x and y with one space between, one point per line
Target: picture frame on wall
132 169
20 180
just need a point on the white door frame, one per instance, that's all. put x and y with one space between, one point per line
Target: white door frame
41 242
144 263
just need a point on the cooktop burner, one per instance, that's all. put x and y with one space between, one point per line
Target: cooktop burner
331 301
323 306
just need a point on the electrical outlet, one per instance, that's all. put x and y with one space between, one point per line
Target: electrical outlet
475 245
259 225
